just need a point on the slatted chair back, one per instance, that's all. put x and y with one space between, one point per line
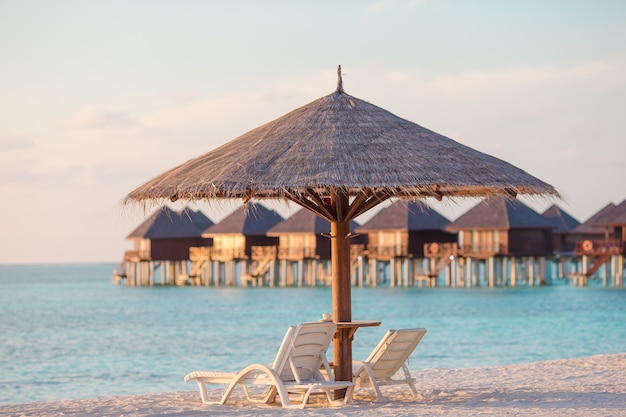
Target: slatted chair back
393 350
303 352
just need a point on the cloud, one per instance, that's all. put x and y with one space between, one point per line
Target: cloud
95 117
470 84
15 141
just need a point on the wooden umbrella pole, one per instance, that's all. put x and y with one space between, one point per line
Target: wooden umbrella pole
341 293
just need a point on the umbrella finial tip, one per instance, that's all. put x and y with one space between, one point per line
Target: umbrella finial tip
339 80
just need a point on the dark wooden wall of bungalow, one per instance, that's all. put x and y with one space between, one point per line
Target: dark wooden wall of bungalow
411 242
418 238
530 242
617 233
357 239
563 242
322 247
175 249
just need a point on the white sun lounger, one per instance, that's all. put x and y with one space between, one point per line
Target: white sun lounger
295 370
386 359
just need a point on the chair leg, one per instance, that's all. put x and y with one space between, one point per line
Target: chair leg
409 379
372 380
270 395
379 394
204 395
305 397
347 399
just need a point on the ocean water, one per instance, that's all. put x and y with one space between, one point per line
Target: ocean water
66 332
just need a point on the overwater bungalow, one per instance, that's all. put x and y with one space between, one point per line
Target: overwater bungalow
590 229
396 238
236 238
586 236
614 223
563 241
503 242
602 249
162 242
304 250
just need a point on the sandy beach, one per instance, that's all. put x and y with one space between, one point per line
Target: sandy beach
592 386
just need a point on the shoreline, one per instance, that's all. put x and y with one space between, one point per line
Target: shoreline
566 387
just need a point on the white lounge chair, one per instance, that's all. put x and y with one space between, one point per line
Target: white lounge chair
386 359
295 370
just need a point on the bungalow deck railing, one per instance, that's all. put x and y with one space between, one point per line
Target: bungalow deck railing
200 253
387 252
599 247
136 256
263 252
219 254
356 251
483 249
476 250
297 252
440 250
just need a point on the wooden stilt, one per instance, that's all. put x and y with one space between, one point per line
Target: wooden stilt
405 272
617 271
542 272
300 276
476 274
513 272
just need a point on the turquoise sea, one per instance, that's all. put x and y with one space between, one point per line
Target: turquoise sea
66 332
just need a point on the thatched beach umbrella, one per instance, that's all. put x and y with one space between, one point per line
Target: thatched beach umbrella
340 156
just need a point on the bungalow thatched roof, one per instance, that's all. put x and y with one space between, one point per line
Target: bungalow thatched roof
304 221
501 214
402 215
253 222
614 217
342 143
198 218
563 221
591 226
167 223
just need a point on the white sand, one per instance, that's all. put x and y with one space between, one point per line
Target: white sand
594 386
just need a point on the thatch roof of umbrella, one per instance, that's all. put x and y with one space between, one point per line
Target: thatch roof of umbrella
339 156
167 223
402 215
591 226
563 221
502 214
342 143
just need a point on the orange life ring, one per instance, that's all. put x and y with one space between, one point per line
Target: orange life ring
587 246
434 247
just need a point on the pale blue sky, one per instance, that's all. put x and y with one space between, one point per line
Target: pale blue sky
98 97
